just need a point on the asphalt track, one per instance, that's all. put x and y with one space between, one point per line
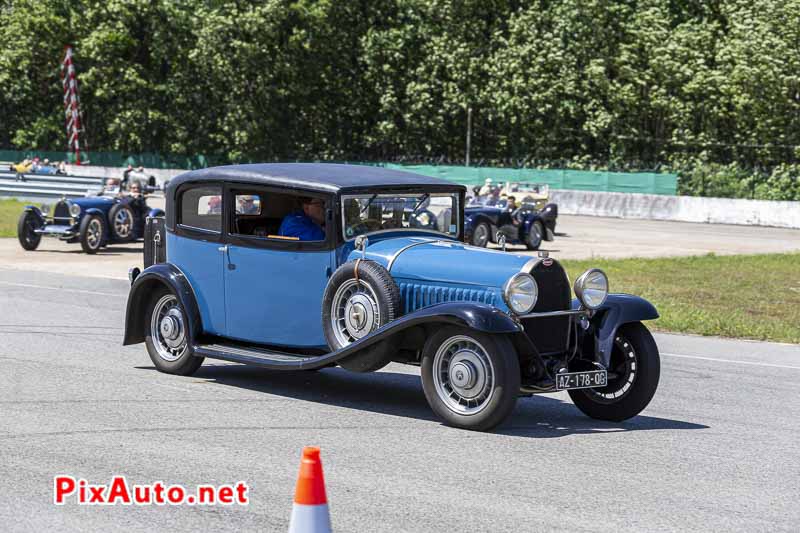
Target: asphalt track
717 449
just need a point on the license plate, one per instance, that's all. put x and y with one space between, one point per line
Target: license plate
581 380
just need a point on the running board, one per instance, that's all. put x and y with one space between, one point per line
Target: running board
259 356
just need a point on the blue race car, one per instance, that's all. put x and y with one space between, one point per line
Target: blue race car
93 221
368 280
487 218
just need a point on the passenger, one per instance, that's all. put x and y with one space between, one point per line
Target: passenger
307 224
247 205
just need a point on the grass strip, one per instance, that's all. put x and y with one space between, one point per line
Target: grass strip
740 296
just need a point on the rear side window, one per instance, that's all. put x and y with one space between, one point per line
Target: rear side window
201 207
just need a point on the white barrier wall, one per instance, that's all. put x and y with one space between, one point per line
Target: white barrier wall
680 208
161 174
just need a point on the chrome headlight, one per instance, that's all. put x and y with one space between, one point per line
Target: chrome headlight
520 293
45 209
592 288
74 209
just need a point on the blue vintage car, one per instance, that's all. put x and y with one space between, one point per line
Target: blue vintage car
486 220
93 221
305 266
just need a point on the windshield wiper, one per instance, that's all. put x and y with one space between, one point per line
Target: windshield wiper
369 202
424 197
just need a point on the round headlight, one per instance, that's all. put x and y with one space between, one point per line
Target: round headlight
592 288
521 293
74 210
45 209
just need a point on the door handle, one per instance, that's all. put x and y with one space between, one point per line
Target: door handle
226 251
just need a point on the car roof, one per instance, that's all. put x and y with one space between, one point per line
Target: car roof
323 177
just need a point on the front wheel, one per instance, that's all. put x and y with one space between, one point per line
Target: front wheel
26 231
470 379
92 233
166 336
633 377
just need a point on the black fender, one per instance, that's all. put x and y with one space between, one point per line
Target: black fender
618 309
479 317
156 212
37 213
98 212
152 278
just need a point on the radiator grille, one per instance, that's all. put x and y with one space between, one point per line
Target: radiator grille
61 213
550 335
416 295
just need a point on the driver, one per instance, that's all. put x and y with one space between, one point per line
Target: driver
305 224
511 206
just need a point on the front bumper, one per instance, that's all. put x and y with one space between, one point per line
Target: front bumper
57 230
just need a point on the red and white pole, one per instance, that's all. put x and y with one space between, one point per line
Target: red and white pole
72 113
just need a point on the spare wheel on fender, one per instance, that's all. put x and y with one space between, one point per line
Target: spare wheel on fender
360 297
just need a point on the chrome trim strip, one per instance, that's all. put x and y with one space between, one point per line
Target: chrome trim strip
406 247
527 268
555 313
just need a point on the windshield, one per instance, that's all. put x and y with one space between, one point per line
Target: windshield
369 213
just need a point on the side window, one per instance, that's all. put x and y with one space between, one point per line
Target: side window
278 216
201 207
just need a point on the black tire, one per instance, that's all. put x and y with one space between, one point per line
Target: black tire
535 236
122 230
381 294
633 344
92 238
28 221
481 235
504 388
184 363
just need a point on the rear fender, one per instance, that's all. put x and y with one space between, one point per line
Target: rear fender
618 309
161 275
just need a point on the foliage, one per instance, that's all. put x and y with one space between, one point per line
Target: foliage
710 89
746 296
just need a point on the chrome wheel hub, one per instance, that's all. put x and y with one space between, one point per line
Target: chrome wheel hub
94 233
463 375
167 328
355 312
122 223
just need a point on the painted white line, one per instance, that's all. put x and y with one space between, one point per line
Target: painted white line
61 289
753 363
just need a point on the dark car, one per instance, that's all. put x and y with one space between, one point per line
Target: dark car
485 219
372 287
93 221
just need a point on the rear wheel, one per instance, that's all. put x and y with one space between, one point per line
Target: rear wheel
535 236
166 336
470 379
92 233
480 235
122 222
633 377
26 226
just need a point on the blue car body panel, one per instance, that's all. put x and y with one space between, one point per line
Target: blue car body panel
202 263
263 303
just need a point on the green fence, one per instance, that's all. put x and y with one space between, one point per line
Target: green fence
639 182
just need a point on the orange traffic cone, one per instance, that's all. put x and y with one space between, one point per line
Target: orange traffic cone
310 509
